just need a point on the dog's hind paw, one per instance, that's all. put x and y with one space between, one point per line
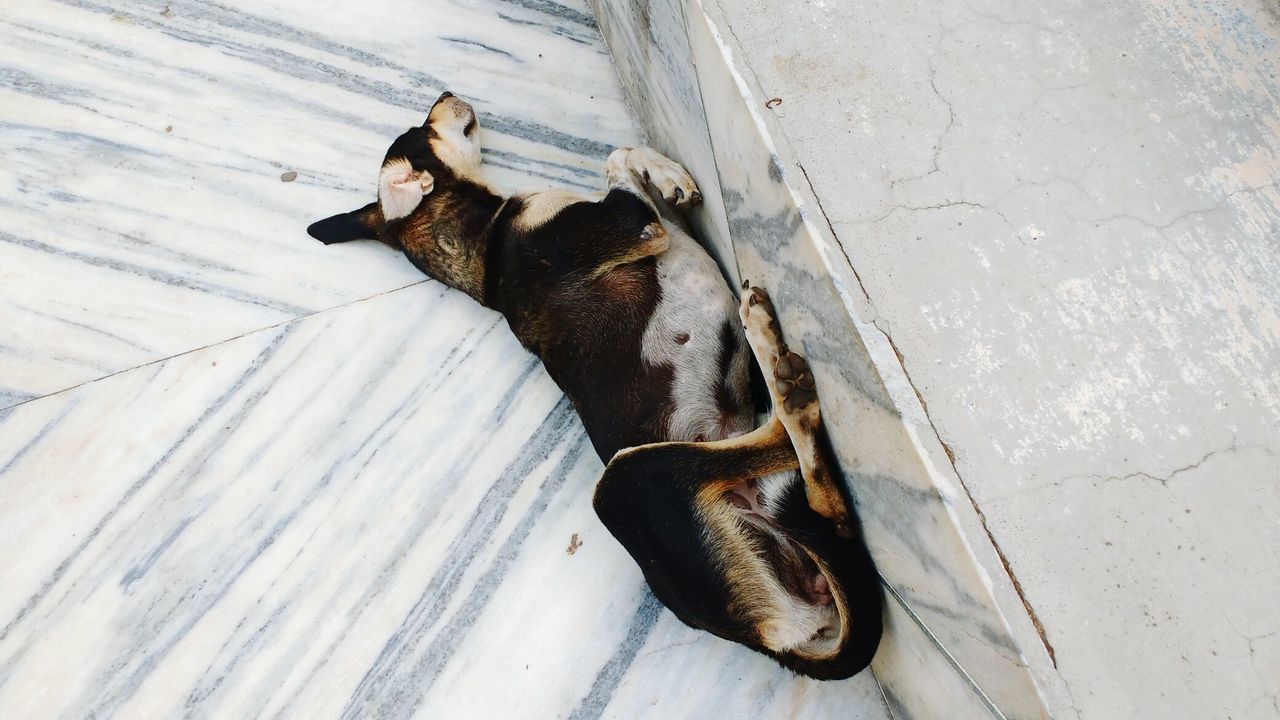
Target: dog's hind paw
795 382
795 401
756 310
795 393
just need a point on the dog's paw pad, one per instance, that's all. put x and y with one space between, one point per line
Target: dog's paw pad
794 381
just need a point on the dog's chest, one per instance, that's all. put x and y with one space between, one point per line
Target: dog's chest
695 330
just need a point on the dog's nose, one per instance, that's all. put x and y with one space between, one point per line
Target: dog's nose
445 94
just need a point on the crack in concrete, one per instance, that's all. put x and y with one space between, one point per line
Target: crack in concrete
951 113
1274 696
1141 474
1174 473
1002 21
940 206
951 118
1183 216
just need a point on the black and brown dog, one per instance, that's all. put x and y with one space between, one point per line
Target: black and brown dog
741 532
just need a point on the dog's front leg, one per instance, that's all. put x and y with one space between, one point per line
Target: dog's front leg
795 403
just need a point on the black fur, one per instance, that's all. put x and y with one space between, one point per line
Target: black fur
652 511
579 291
359 224
587 331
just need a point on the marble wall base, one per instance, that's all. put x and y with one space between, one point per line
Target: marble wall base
950 648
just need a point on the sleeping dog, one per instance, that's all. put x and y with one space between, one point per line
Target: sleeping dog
740 531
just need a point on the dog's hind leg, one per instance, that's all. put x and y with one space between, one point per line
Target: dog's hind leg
795 403
633 168
763 451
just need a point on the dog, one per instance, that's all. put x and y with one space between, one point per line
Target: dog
740 531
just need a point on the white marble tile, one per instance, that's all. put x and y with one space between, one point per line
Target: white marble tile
142 211
366 512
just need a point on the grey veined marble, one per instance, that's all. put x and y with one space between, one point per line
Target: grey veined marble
244 475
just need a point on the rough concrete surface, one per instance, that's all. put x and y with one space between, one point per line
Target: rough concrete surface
1065 218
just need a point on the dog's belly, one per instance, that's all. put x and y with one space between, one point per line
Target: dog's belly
696 331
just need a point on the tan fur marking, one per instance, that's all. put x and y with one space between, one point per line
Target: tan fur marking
425 237
765 437
842 609
654 241
459 157
540 207
784 623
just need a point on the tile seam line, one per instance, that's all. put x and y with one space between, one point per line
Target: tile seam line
244 334
973 684
982 517
763 129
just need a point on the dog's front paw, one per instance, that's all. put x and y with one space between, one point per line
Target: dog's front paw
676 185
669 177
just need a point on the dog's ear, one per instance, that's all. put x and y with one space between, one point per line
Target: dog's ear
359 224
401 188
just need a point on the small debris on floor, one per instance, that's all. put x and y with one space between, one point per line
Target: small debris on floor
289 176
168 128
574 544
773 103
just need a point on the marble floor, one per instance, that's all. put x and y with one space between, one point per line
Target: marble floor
245 475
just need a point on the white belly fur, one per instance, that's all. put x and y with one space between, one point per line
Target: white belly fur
696 301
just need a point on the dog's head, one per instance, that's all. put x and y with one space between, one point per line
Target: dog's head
432 201
746 560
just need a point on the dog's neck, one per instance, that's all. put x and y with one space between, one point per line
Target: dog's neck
459 220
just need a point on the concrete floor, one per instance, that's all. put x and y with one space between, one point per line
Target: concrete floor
1065 218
